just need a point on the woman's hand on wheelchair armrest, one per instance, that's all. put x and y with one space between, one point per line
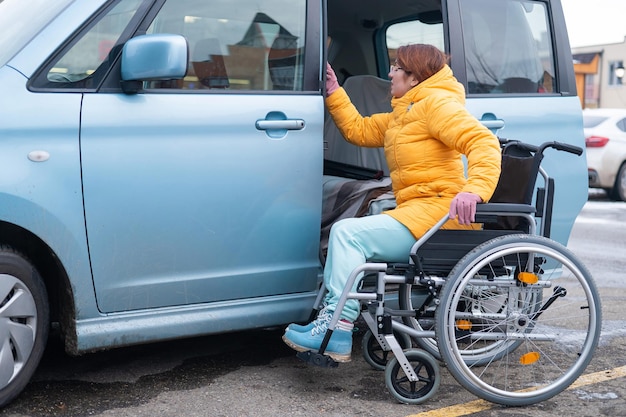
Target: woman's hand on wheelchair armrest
463 206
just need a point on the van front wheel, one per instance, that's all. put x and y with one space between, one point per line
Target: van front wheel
24 322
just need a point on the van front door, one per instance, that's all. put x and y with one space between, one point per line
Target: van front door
208 189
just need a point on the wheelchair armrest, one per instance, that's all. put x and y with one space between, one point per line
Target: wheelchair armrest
506 216
504 208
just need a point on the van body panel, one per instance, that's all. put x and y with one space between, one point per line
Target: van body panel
193 205
191 171
43 195
538 120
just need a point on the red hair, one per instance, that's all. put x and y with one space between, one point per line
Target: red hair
421 60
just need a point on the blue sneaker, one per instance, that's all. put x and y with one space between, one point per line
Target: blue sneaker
324 315
339 347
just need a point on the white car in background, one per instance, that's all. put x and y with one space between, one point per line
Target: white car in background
605 138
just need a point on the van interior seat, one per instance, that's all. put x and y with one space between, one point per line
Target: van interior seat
370 95
345 196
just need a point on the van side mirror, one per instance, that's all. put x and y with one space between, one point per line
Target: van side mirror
153 57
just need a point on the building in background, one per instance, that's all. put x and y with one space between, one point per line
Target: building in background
600 75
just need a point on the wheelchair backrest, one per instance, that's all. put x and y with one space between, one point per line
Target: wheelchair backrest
518 175
520 167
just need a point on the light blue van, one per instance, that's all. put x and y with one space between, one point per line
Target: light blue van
162 161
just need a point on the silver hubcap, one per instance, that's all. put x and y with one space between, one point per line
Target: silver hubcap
18 327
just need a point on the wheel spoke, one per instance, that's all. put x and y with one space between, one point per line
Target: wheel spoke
7 362
19 306
23 339
7 285
403 378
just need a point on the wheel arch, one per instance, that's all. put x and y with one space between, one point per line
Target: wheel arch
53 274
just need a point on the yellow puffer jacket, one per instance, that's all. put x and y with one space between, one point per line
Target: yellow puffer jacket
424 138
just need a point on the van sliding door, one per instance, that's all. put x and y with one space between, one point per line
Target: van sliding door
514 58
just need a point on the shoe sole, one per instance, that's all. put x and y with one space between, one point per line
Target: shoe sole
337 357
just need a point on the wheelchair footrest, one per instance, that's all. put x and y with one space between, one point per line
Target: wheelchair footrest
317 359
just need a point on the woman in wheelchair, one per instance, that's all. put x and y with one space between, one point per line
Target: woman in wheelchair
424 138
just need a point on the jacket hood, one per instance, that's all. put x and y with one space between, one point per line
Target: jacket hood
441 81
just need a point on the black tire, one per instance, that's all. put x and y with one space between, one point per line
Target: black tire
374 354
407 392
618 192
24 322
547 329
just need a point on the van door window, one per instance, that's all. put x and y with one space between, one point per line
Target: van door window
237 45
508 47
86 62
415 31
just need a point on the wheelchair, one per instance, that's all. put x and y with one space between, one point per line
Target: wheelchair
513 315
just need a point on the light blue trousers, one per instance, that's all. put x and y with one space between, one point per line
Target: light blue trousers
352 242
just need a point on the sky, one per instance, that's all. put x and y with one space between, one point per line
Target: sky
595 22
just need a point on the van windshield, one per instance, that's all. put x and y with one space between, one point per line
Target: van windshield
20 20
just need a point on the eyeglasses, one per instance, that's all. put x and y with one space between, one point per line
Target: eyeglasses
395 68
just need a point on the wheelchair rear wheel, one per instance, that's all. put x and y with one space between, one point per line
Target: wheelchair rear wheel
541 326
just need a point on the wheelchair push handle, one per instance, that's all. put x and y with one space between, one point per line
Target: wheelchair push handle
559 146
518 144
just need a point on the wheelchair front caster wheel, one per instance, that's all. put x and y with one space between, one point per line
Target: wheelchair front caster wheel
413 392
375 355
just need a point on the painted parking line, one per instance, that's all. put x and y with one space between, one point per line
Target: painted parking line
482 405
